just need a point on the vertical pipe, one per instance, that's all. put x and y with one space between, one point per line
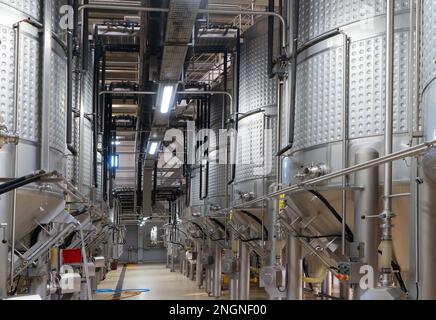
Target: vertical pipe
415 181
217 272
345 138
426 237
46 85
387 200
69 138
208 280
233 288
199 267
366 203
326 287
294 270
271 40
85 37
244 271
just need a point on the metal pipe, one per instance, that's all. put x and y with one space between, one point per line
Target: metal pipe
409 152
46 85
244 271
217 276
235 108
345 138
200 11
366 203
271 40
151 93
389 111
294 272
199 267
69 128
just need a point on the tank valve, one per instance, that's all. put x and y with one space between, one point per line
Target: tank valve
6 137
247 196
312 171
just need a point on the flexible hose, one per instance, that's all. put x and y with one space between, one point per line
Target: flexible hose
348 233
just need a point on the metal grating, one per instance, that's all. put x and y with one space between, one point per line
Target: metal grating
181 18
172 62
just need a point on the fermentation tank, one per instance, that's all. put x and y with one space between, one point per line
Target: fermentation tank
256 143
22 102
329 84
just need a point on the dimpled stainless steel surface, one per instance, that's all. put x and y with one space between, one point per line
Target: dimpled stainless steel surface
86 136
320 104
7 76
29 89
58 102
257 91
320 16
196 203
429 47
320 94
217 171
30 7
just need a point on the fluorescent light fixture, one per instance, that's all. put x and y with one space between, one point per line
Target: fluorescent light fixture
116 143
153 148
167 98
115 161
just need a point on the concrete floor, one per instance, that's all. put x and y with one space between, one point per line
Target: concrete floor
163 284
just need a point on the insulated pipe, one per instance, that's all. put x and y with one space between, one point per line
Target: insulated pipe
244 271
387 245
366 203
217 273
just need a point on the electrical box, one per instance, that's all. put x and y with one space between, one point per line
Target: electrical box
230 265
350 272
272 277
99 262
70 283
207 260
72 256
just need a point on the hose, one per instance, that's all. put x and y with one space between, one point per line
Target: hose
266 234
348 233
21 182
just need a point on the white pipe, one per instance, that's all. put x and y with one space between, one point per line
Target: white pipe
389 111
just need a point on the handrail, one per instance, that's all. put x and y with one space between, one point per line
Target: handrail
409 152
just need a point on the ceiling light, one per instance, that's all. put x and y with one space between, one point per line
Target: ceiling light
167 98
153 148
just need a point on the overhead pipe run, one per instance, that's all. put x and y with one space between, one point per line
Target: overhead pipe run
200 11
